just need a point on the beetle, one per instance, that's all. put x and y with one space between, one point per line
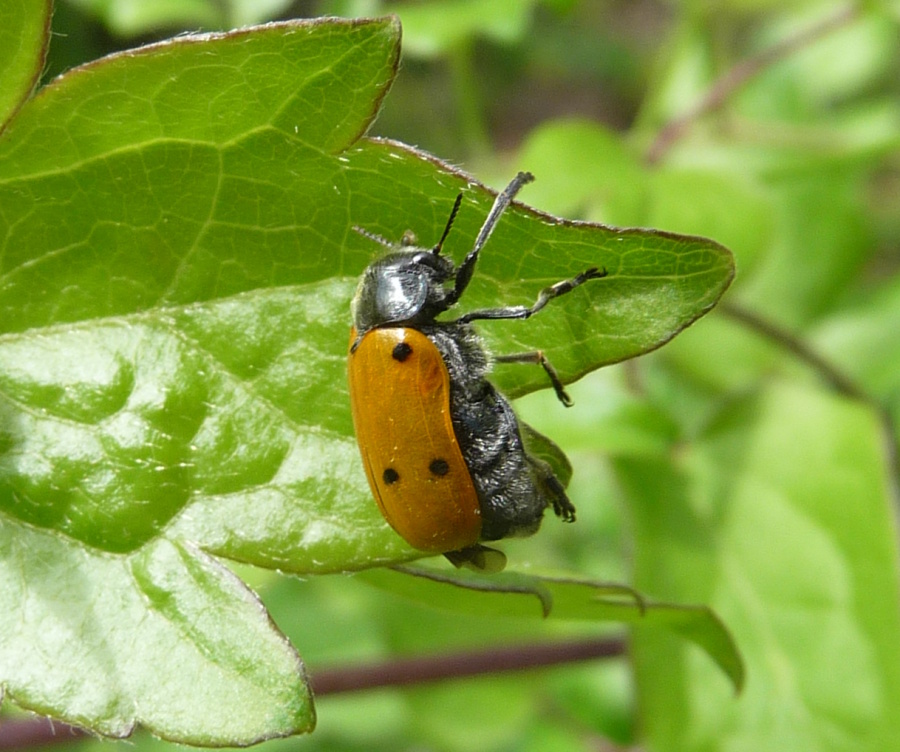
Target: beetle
441 447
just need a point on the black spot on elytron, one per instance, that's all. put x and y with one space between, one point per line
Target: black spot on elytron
390 476
401 351
439 467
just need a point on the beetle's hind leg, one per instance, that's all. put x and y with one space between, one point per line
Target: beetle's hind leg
537 357
478 558
552 489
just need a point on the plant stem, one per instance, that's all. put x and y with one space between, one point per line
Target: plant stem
419 670
833 376
466 90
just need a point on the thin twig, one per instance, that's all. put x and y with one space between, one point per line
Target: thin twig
726 86
834 377
459 665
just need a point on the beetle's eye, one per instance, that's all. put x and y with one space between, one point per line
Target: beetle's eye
428 259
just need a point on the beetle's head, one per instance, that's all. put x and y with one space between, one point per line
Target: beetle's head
403 287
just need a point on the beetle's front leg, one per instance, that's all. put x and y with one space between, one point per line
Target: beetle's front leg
545 296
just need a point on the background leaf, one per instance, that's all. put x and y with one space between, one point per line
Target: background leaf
168 638
512 594
796 579
24 29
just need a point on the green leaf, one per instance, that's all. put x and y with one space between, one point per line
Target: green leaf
833 68
519 595
167 638
586 171
862 340
539 446
828 216
130 18
437 28
781 519
177 266
24 31
108 427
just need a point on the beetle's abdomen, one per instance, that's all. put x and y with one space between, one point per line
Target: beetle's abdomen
512 498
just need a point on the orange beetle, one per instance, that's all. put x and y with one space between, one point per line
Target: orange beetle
441 447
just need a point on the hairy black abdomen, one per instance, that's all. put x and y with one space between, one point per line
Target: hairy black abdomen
512 487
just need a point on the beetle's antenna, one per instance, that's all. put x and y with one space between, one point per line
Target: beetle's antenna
374 236
453 212
503 200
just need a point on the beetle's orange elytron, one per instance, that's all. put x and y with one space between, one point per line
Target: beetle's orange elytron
400 398
442 448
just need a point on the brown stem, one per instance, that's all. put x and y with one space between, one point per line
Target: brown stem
405 671
833 376
740 74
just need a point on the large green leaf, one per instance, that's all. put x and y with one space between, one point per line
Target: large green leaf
167 637
177 266
117 201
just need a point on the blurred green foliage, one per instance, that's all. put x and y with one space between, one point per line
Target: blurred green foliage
750 464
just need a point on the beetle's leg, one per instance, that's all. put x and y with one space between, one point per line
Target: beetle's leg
545 296
478 558
551 486
467 267
523 312
537 357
